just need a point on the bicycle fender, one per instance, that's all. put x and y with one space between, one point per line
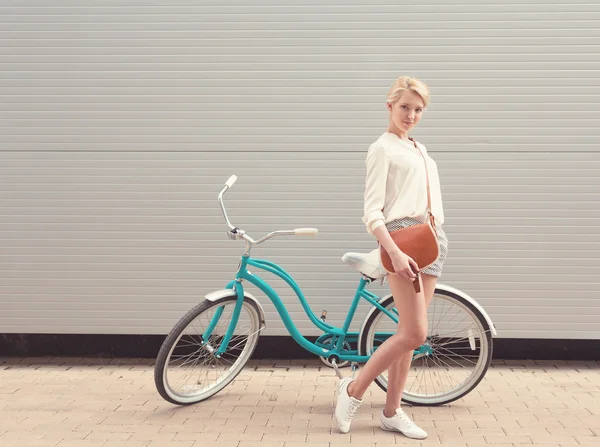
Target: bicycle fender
471 300
218 294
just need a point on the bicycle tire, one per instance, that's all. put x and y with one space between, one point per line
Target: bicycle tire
164 354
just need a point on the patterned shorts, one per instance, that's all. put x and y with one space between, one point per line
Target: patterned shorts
434 269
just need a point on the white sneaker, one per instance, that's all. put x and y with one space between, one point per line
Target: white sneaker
346 406
403 423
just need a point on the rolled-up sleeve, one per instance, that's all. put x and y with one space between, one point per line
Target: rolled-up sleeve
376 177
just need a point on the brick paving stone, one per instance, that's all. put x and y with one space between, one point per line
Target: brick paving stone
62 402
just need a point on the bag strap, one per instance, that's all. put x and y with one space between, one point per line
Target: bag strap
431 218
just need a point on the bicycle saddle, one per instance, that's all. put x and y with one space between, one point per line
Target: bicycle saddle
369 264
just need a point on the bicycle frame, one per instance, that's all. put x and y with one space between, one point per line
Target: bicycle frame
342 333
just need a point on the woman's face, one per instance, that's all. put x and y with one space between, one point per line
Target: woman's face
406 112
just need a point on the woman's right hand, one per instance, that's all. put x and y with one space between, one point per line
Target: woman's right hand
402 265
400 261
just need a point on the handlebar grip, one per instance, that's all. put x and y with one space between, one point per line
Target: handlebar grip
229 183
306 232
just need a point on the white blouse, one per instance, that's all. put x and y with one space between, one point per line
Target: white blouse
396 183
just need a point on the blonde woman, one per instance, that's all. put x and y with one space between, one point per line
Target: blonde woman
396 196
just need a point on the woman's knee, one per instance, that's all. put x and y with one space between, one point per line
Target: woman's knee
417 336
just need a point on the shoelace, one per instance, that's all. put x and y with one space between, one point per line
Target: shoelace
352 409
406 418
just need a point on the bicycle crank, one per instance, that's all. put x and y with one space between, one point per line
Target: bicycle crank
333 361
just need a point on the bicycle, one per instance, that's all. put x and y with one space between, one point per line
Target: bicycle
205 358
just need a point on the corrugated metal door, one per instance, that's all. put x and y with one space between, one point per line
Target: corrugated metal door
120 121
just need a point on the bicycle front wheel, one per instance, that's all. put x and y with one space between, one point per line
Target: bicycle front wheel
453 360
187 370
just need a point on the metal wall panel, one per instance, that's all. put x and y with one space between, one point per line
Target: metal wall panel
120 120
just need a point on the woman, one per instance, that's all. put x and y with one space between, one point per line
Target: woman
395 197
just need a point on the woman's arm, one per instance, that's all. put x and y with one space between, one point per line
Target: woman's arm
377 165
375 185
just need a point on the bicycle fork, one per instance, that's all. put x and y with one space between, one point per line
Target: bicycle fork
232 325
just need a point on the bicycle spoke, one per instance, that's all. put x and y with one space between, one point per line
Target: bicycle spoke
442 369
449 375
466 357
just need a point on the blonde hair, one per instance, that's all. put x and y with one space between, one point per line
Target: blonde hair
404 83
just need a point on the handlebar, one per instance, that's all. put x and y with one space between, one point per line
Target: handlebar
237 233
229 183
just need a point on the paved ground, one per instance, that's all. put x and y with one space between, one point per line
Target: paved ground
86 402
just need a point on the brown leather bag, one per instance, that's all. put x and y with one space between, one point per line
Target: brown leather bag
417 241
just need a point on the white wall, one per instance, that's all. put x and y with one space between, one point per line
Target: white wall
120 120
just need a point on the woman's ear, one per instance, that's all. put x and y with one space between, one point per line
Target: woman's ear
389 106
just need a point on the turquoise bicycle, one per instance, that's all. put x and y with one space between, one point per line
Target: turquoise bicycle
211 343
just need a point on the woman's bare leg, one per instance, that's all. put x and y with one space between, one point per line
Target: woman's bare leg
398 370
412 331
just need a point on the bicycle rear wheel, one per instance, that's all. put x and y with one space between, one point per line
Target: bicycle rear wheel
187 370
453 360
